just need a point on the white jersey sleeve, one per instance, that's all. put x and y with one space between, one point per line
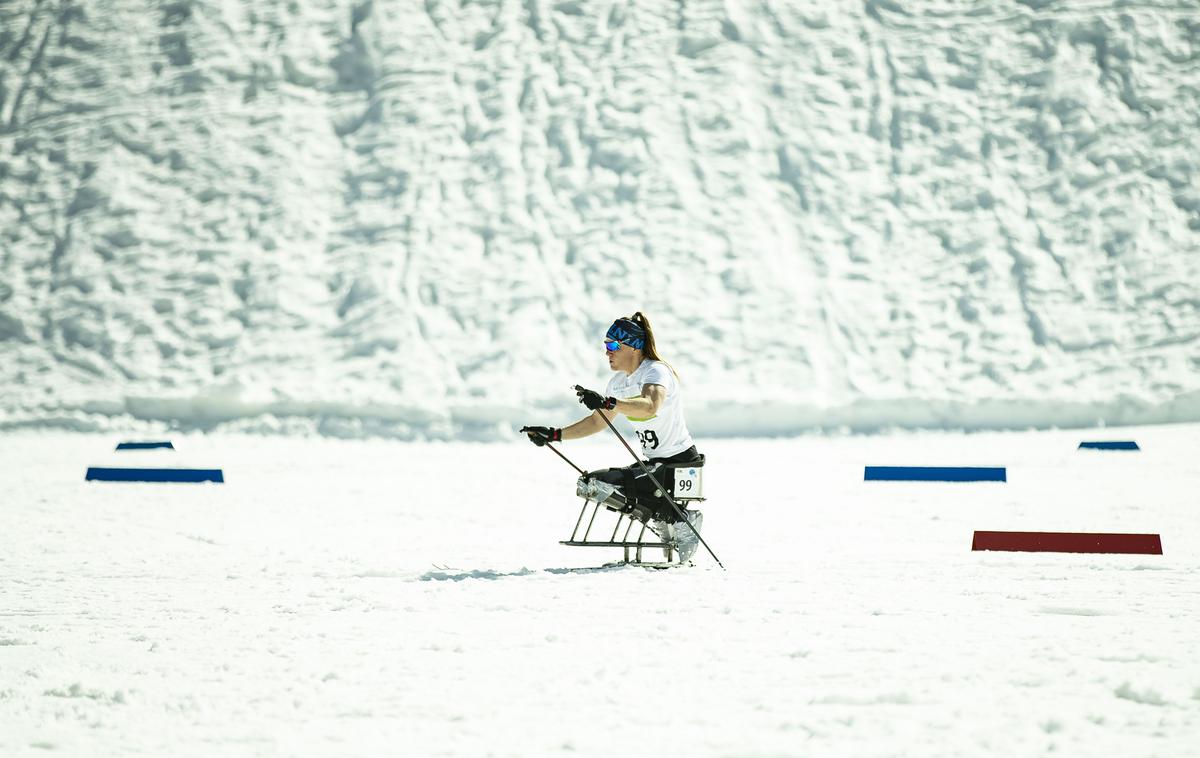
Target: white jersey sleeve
658 373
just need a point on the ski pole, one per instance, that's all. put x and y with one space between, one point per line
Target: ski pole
560 455
662 489
565 458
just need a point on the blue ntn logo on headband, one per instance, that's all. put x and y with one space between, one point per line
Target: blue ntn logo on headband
625 331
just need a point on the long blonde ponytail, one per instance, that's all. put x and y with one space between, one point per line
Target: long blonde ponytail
650 350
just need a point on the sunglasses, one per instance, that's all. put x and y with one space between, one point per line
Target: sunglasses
612 346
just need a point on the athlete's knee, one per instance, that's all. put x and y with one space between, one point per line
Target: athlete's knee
608 475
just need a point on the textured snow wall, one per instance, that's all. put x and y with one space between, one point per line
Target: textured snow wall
417 218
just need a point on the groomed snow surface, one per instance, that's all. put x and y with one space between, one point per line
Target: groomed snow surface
390 598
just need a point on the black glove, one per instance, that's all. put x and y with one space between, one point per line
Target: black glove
594 401
540 435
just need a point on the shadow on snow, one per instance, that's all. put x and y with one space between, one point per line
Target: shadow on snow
458 576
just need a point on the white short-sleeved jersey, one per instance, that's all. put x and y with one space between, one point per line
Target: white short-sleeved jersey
665 433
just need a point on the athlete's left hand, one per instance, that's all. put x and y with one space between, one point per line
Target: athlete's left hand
540 435
594 401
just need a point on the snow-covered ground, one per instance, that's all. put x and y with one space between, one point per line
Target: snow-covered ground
412 219
376 598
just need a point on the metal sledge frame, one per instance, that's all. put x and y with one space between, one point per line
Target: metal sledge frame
636 545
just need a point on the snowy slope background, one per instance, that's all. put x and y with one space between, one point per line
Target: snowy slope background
416 219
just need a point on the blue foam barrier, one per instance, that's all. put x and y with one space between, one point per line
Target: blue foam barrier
95 474
934 474
1113 445
145 445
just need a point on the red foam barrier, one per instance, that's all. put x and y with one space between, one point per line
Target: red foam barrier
1068 542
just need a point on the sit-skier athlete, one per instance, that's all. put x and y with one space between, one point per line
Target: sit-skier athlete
646 391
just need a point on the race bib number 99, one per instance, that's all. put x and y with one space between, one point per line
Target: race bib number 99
689 482
649 440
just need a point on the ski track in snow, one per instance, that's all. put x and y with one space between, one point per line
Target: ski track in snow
413 220
373 597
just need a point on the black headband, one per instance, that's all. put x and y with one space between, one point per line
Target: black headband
624 330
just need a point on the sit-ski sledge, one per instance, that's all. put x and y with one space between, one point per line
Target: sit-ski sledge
673 483
684 485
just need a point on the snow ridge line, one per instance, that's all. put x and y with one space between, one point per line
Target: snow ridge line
490 423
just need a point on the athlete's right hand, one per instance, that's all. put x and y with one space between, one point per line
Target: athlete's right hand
540 435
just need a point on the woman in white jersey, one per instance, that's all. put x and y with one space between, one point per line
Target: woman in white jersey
646 391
